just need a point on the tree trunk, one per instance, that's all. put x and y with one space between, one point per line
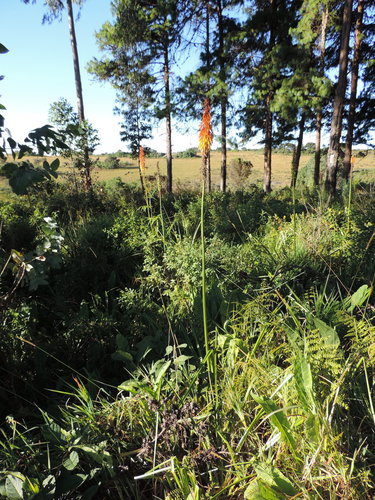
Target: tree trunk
319 114
336 125
268 121
353 90
318 141
268 149
77 73
223 101
80 109
297 152
168 119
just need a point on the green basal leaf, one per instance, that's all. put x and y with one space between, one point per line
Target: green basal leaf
359 297
328 334
72 461
13 487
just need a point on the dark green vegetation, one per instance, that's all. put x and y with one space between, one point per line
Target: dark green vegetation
121 379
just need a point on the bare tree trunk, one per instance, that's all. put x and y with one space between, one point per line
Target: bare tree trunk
268 122
353 90
297 151
318 141
223 101
268 149
336 125
80 109
319 114
168 119
77 73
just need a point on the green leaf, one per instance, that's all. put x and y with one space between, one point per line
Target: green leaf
252 492
12 143
258 490
122 342
55 164
359 297
3 49
72 461
274 478
279 420
122 356
13 487
67 482
304 384
168 350
135 386
328 334
99 455
49 486
180 360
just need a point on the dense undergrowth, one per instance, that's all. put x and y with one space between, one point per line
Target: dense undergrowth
120 379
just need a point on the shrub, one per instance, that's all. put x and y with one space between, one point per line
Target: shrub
110 162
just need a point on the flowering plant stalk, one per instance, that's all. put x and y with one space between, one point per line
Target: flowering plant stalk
205 142
142 166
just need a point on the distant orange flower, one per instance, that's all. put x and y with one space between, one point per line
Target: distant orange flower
205 132
142 163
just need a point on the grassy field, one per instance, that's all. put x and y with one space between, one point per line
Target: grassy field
187 171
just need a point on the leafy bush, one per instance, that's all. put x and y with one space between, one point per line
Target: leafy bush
110 162
188 153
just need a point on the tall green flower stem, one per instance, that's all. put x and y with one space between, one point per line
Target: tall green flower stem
209 353
294 220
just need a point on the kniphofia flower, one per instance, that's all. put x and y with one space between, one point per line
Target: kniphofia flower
205 132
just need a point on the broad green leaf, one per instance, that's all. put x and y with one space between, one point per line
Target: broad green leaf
304 385
49 487
3 49
258 490
122 356
12 143
13 487
279 420
180 360
359 297
328 334
122 342
269 493
168 350
67 482
2 488
55 164
312 428
274 478
135 386
72 461
99 456
161 370
252 492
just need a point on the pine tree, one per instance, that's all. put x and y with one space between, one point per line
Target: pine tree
150 30
338 104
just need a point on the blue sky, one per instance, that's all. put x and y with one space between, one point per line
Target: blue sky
38 70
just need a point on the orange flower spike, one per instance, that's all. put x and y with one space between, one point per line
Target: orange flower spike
205 133
142 163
